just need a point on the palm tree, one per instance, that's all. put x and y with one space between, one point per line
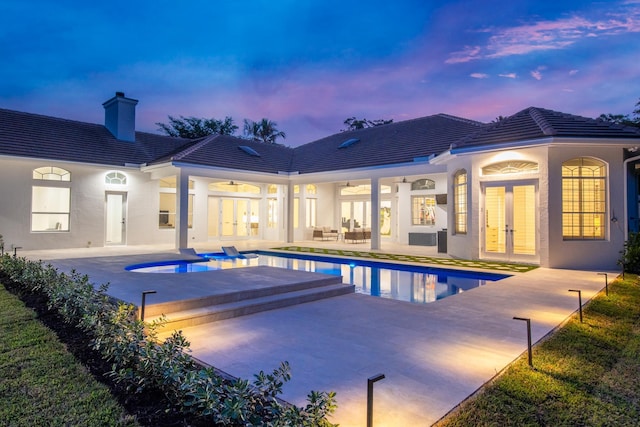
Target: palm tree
265 130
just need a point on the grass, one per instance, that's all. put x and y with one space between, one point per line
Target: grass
585 374
419 259
41 383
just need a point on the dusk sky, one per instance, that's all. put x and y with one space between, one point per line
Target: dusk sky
309 65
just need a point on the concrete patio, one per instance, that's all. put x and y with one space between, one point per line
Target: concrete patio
433 356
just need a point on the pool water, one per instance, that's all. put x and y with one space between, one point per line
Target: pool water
414 284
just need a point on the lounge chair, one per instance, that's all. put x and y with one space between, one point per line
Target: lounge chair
232 252
191 255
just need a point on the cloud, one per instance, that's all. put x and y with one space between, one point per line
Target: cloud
574 72
479 75
469 53
548 35
536 74
509 75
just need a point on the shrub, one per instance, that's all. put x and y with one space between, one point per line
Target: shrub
630 259
142 362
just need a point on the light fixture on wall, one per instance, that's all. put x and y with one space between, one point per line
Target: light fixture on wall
404 179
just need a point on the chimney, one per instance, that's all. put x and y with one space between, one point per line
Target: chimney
120 117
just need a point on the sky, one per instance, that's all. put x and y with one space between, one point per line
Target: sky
308 65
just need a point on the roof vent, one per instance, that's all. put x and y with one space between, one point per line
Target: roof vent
348 143
250 151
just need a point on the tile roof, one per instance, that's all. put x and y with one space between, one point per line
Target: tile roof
44 137
224 151
539 123
393 143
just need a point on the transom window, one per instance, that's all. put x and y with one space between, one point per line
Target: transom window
460 202
234 187
423 184
115 178
510 167
584 183
353 190
51 173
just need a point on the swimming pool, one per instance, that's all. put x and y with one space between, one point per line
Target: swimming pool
416 284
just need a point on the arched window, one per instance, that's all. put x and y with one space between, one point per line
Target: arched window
510 167
115 178
460 202
50 199
51 173
423 184
584 195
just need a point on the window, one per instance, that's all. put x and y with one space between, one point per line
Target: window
460 202
423 184
272 213
272 189
50 208
233 187
167 216
50 200
423 210
51 173
115 178
584 182
311 213
510 167
312 189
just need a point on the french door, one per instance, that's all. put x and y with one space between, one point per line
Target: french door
239 218
115 218
510 230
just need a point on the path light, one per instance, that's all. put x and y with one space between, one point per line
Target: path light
15 250
526 319
144 297
606 282
370 382
579 300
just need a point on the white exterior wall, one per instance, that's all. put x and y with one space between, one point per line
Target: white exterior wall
587 254
87 212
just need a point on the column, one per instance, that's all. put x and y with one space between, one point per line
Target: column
375 213
182 210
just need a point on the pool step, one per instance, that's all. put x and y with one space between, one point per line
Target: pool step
181 314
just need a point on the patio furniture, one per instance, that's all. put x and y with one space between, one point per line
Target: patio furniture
232 252
358 235
325 233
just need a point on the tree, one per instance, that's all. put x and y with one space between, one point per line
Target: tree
632 119
194 127
265 131
355 124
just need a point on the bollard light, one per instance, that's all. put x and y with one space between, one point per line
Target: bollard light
579 300
370 382
606 282
144 297
526 319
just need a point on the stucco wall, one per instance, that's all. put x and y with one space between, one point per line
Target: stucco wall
586 254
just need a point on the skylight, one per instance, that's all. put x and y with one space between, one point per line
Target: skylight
348 143
250 151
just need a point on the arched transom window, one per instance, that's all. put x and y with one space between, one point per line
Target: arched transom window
510 167
51 173
115 178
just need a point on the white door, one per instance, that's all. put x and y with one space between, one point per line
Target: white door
116 219
510 222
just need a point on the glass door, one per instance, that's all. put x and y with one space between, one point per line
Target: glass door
510 222
239 218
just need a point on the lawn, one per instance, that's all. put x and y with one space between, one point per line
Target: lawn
41 382
585 374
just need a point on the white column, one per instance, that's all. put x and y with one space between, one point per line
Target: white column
182 210
403 214
375 213
289 215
